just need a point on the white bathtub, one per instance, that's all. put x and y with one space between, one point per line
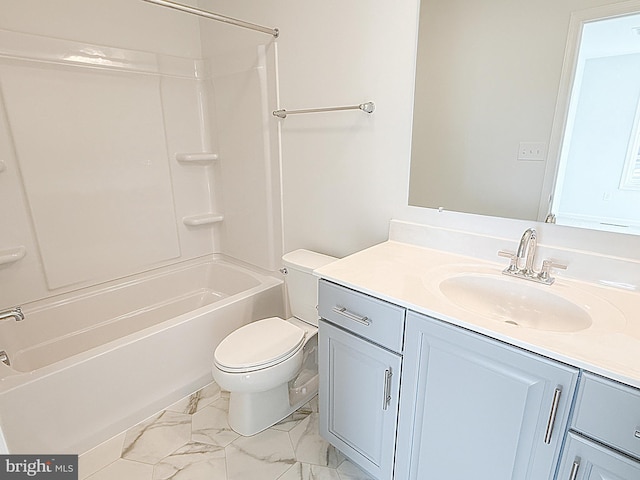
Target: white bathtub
87 365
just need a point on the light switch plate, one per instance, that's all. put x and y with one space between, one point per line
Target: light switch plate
535 151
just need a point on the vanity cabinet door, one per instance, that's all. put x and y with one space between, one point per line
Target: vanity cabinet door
358 395
586 460
475 408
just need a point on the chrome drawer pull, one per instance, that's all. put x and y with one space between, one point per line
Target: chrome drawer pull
352 316
387 388
637 433
574 469
552 415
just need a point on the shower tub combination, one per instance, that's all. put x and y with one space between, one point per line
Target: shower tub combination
85 366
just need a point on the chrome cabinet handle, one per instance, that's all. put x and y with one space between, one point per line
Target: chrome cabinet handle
637 433
352 316
574 469
387 388
552 415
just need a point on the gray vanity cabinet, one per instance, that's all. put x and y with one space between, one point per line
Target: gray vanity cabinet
587 460
475 408
604 443
359 360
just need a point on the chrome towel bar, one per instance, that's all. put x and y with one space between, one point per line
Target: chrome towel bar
367 107
15 313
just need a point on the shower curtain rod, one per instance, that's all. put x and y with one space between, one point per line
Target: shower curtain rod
367 107
214 16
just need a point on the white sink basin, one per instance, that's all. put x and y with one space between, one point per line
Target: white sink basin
517 304
484 292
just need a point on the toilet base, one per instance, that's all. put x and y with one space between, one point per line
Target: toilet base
251 413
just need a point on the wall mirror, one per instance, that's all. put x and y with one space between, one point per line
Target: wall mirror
498 116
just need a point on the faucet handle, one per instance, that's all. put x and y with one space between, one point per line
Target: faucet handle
547 265
512 257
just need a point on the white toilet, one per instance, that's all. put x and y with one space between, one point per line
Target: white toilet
270 366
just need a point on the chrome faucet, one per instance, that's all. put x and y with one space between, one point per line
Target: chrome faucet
526 253
15 313
522 262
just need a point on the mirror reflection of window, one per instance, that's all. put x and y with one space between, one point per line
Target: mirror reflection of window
598 183
631 174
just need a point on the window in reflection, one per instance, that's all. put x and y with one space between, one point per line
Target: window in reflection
598 184
631 175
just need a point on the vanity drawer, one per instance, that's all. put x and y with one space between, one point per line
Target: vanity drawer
609 412
373 319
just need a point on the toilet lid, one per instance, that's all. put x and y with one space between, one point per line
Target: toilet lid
259 345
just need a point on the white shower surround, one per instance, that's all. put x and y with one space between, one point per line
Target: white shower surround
122 319
92 141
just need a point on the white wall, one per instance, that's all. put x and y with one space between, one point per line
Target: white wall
344 173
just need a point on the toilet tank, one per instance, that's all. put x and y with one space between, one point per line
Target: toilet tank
302 284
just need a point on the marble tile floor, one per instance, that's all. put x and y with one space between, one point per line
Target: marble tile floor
191 440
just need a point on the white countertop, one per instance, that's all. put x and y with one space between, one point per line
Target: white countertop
408 275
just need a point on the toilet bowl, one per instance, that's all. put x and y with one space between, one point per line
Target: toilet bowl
245 369
270 366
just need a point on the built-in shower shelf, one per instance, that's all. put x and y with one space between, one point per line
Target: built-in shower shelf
196 158
12 255
203 219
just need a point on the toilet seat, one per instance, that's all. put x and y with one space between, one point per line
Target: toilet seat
259 345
